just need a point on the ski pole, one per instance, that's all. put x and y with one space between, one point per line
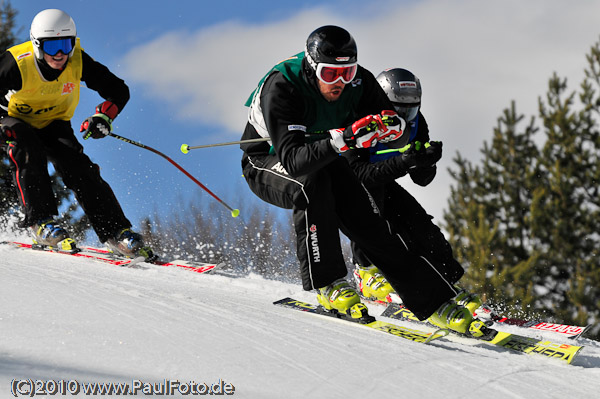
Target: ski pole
388 151
403 149
234 212
186 148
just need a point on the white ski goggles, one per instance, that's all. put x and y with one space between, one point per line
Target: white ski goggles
331 73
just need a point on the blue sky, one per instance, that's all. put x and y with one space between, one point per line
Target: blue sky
191 64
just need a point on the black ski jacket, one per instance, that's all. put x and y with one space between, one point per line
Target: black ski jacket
289 107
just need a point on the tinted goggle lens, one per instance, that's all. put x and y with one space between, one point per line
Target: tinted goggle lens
331 73
408 112
53 46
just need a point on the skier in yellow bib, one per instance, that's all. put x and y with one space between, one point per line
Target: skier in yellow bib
39 91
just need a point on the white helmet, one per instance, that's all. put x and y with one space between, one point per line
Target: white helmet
52 24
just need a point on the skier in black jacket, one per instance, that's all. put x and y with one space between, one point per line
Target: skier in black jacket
378 168
39 91
312 107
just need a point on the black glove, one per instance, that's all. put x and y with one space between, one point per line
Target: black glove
99 125
7 134
423 176
419 155
361 134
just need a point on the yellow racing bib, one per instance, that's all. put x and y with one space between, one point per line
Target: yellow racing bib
39 101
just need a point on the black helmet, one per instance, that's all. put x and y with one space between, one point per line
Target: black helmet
330 45
403 88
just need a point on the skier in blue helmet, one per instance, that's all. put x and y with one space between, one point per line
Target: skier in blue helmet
378 168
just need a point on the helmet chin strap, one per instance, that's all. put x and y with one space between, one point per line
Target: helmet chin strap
39 54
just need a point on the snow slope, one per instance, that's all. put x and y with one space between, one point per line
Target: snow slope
73 319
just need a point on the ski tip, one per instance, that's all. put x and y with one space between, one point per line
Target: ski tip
138 259
218 266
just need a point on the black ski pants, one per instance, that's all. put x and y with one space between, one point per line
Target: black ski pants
331 200
29 156
408 218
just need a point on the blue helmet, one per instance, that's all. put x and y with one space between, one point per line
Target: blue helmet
403 89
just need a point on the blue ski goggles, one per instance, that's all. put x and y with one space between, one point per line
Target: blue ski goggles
53 46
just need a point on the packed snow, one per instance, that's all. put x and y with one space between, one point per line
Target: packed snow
66 323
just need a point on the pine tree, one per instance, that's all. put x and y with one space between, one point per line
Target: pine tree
489 212
257 241
8 31
569 208
526 222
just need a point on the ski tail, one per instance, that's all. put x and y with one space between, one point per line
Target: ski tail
515 342
529 345
572 332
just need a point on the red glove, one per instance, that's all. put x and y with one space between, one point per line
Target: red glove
99 125
361 134
7 134
394 126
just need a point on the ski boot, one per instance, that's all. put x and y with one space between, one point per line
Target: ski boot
130 244
475 305
340 297
372 284
452 316
48 233
459 319
468 300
